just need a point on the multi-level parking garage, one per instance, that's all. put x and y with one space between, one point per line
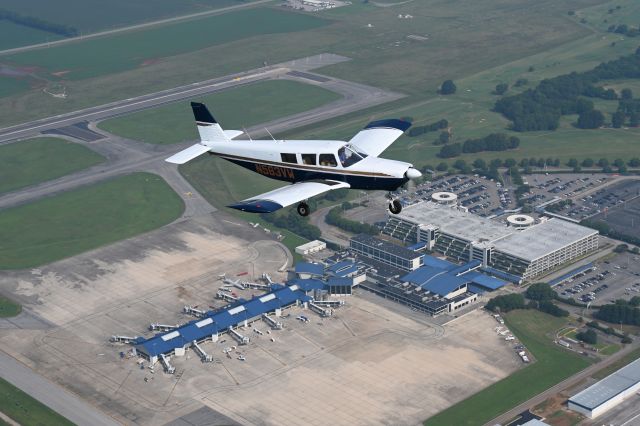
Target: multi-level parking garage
521 253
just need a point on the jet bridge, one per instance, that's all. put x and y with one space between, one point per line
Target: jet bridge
167 366
201 353
198 313
276 325
242 340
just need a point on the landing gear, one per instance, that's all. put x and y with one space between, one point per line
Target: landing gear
395 206
303 209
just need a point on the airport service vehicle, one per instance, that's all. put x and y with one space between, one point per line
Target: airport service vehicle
313 167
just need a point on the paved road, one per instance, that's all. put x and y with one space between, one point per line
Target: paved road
133 27
127 156
565 384
356 96
54 396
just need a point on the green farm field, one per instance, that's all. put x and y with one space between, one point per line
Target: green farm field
622 12
33 161
25 410
91 15
552 365
236 108
83 219
124 51
455 44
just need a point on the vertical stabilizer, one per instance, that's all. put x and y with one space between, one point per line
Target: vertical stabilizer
208 127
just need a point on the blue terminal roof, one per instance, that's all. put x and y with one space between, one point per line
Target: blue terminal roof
339 265
466 267
438 263
309 268
308 284
339 281
422 275
444 284
509 277
485 281
220 321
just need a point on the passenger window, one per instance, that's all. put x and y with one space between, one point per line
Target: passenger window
289 158
328 160
309 159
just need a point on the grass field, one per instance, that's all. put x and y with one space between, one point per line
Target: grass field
124 51
552 365
458 44
25 410
37 160
470 116
630 357
90 15
76 221
599 17
10 85
14 35
235 109
8 308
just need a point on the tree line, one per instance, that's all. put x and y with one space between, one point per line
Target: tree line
540 296
621 312
39 24
492 142
540 108
335 218
293 222
420 130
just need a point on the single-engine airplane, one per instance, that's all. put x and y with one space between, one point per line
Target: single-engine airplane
312 166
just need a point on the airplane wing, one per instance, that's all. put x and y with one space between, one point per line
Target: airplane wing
378 135
287 195
188 154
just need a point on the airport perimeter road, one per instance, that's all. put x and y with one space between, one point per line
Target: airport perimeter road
52 395
571 381
135 27
138 103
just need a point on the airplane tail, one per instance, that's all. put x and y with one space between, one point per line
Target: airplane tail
210 133
208 127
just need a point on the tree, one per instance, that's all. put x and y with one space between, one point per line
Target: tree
501 89
603 162
506 303
551 308
618 162
593 119
589 336
634 119
634 162
509 162
621 248
448 87
617 119
540 291
444 138
572 162
480 164
442 167
626 94
449 151
587 162
460 164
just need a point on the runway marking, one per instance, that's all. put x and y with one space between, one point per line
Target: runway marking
233 223
630 420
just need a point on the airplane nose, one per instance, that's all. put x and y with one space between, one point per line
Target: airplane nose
412 173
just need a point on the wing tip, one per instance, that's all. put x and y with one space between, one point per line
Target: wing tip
389 123
256 206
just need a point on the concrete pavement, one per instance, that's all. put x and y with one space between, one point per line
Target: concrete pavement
52 395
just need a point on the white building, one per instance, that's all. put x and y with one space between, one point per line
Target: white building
608 392
311 247
460 235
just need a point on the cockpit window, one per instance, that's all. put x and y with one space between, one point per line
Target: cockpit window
349 155
328 160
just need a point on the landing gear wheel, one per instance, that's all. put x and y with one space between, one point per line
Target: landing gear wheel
395 207
303 209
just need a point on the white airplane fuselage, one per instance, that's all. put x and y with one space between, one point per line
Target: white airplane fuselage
304 160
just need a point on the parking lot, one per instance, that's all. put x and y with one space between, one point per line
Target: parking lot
480 195
617 278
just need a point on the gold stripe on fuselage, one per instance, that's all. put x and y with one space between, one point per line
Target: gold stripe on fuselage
296 166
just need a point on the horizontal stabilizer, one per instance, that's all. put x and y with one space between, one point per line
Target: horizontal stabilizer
188 154
287 195
232 134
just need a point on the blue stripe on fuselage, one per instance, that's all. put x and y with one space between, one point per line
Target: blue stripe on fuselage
289 174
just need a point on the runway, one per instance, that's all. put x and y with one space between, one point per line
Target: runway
127 156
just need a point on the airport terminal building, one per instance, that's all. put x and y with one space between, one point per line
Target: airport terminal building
524 253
